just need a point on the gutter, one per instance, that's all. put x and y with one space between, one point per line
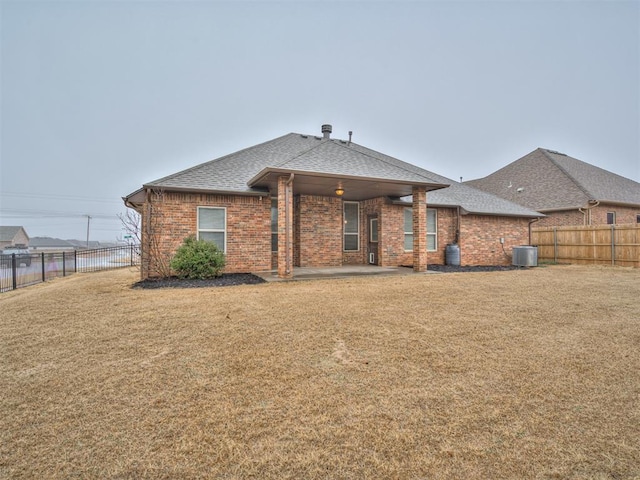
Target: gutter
255 193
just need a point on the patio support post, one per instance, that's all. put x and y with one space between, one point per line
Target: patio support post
419 229
285 226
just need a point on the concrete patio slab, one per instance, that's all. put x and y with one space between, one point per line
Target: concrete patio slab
313 273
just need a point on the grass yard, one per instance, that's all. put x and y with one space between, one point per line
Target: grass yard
519 374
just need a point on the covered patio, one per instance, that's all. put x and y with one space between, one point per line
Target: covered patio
288 184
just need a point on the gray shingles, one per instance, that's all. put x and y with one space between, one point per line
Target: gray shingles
7 233
295 152
545 180
337 157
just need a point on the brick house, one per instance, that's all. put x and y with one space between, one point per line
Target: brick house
313 201
11 236
568 191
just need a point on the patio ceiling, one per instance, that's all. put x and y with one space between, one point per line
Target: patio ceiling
355 188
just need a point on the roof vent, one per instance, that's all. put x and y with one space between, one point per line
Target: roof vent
326 131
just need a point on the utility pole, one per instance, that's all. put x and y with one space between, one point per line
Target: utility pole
88 222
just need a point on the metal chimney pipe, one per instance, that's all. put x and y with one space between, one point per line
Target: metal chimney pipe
326 131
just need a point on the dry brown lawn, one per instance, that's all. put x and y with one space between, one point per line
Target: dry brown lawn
519 374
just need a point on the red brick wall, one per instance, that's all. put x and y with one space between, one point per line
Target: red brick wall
318 231
480 239
598 216
564 218
624 215
392 252
174 217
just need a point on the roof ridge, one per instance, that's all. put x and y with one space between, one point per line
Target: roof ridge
181 172
402 167
582 188
303 152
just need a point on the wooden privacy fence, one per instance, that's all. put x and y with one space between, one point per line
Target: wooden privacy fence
596 244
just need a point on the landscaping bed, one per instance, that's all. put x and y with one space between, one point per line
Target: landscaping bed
225 280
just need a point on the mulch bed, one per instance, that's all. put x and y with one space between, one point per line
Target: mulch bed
230 279
225 280
472 268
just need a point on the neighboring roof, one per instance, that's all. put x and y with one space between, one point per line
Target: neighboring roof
546 180
247 171
48 242
474 201
83 243
8 233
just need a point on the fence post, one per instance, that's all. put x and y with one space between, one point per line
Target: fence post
555 244
613 245
14 271
42 265
75 261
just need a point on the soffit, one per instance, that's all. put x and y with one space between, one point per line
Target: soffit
355 188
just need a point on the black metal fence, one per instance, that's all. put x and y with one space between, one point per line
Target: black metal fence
20 270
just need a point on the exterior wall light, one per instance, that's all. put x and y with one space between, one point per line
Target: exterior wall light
339 190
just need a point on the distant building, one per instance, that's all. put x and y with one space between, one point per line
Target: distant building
50 244
13 236
81 244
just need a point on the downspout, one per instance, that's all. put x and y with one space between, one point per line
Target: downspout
587 214
287 224
530 222
145 257
457 237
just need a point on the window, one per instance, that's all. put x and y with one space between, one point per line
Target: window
274 224
611 218
408 229
212 226
351 212
373 230
638 218
432 229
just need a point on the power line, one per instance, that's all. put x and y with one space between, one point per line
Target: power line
58 197
12 212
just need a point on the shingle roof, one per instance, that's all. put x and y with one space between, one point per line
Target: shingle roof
474 201
294 152
48 242
547 180
8 233
308 153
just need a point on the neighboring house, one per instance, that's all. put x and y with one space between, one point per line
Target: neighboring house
41 244
312 201
13 236
82 244
568 191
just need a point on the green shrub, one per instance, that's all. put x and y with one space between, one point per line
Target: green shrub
197 259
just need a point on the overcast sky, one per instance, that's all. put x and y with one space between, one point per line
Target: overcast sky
98 98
